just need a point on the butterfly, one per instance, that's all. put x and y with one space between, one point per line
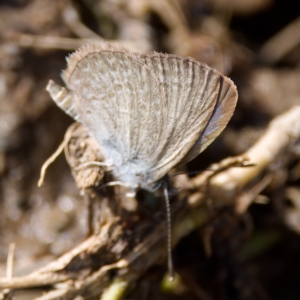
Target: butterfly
148 112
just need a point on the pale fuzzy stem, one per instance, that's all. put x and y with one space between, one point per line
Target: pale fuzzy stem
53 157
50 160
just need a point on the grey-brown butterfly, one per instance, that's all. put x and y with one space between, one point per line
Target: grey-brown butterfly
148 112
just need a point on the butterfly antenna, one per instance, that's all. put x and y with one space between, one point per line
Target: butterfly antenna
169 234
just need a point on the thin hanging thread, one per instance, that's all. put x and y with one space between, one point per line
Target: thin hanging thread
169 235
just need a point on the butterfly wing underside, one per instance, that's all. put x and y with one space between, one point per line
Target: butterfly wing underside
201 103
149 112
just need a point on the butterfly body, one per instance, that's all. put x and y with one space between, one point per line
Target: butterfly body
148 112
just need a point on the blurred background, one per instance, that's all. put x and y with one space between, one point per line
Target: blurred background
254 42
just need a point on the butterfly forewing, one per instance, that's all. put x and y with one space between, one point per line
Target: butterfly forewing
191 91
